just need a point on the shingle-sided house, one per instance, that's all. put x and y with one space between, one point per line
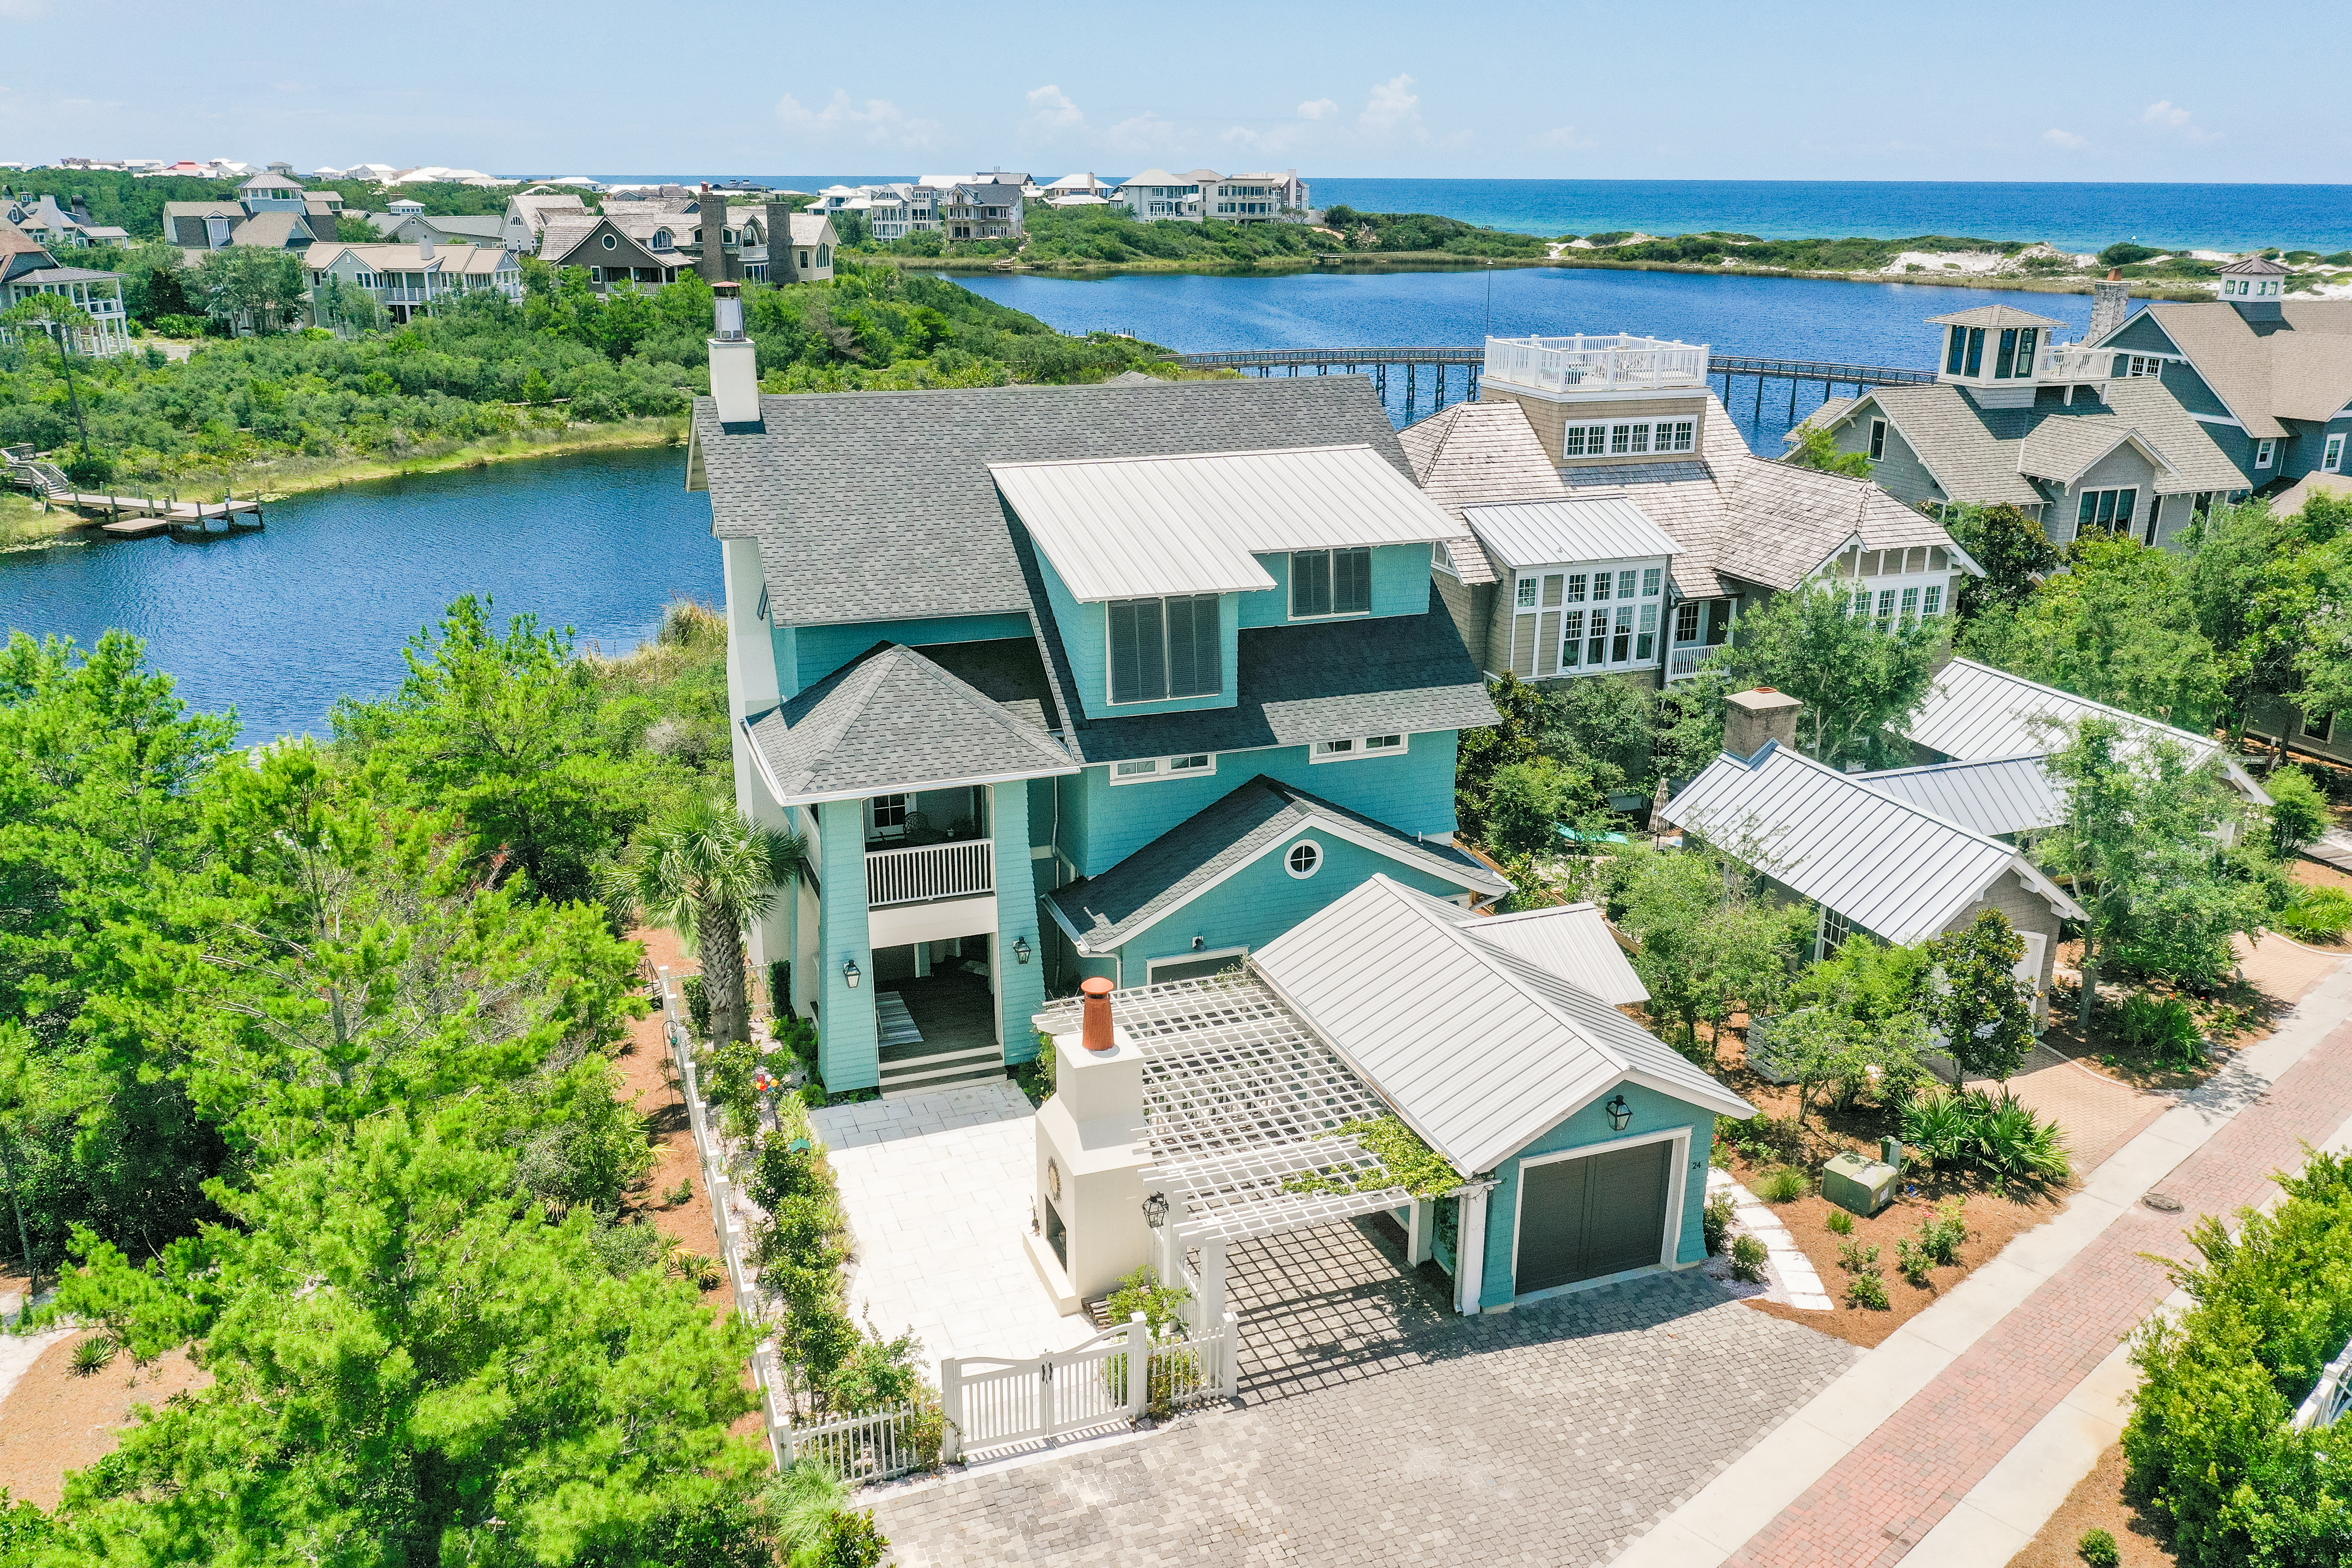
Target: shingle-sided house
1626 427
1868 859
647 247
27 270
1028 665
409 279
2083 439
529 212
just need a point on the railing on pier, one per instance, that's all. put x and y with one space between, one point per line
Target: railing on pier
959 870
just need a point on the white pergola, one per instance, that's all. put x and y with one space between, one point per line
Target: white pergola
1241 1099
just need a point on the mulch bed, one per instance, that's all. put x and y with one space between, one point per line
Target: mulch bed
56 1419
2097 1502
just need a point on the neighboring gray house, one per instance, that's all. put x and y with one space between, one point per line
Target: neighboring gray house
2084 441
807 259
1870 859
410 280
528 214
1631 421
646 249
415 228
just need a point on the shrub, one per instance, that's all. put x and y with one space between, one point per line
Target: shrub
2098 1549
2316 914
1943 1236
1913 1262
878 1375
1716 1221
2299 810
1839 1223
1858 1257
1785 1185
2165 1032
2210 1443
1971 1130
1748 1255
697 1006
175 326
1867 1290
627 1249
94 1354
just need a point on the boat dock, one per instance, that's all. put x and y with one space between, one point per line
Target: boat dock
136 517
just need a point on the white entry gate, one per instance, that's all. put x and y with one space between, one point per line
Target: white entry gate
1108 1382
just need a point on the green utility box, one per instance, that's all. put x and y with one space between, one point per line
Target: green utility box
1858 1183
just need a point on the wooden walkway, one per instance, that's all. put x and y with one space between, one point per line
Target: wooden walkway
135 516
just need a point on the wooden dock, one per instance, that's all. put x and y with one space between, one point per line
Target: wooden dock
136 517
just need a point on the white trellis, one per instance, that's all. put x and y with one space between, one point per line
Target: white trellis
1244 1105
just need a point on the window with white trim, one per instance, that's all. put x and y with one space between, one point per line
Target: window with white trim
2333 461
886 815
1626 438
1141 770
1331 583
2105 511
1302 859
1566 622
2265 452
1836 931
1351 747
1878 439
2143 365
1163 648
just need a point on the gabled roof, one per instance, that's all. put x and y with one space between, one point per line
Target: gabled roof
2001 795
270 230
893 720
2297 367
1891 868
1575 941
1993 316
1974 711
15 242
857 498
1256 819
1123 528
1479 1050
1738 515
1473 453
2064 449
1586 527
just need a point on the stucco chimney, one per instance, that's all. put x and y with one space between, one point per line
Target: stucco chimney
1095 1035
423 245
734 360
2110 304
1752 718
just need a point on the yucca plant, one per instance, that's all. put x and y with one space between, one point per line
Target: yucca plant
2014 1141
93 1355
1936 1124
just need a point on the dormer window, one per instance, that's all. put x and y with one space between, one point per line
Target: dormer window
1163 648
663 239
2015 356
1331 583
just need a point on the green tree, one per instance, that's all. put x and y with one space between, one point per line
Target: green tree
261 287
410 1366
2298 811
2016 555
1860 682
2118 626
1706 948
1984 1012
1816 447
352 229
1484 752
502 731
705 873
2143 845
346 307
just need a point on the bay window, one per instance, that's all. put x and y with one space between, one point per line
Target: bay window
1161 649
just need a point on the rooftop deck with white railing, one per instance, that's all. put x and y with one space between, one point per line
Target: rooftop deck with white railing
1614 361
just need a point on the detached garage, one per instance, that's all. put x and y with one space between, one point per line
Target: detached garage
1583 1217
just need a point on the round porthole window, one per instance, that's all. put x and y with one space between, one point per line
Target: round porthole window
1303 859
609 242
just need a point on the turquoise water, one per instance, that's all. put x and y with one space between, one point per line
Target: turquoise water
2079 217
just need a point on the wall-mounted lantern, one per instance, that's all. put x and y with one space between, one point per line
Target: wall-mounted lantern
1621 1115
1155 1210
850 973
1020 949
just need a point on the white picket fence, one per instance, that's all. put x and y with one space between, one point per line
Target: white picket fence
994 1402
875 1447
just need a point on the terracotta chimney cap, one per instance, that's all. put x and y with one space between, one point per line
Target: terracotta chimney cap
1094 1032
2114 274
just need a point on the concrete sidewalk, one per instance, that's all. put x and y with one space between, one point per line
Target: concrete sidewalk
1999 1398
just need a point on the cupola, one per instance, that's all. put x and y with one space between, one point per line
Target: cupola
1998 351
2255 285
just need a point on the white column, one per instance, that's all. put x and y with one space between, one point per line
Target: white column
1212 1280
1420 1220
1139 1365
1470 1253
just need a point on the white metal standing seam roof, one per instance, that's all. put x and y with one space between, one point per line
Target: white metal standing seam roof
1571 940
1128 528
2002 794
1974 712
1895 869
1478 1050
1545 532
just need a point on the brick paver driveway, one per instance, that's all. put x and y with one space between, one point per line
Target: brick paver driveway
1375 1426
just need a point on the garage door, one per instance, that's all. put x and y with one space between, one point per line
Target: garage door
1579 1219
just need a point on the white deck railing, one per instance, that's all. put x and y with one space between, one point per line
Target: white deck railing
1616 361
961 871
1682 663
2072 361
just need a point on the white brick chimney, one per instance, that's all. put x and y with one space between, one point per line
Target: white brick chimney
734 361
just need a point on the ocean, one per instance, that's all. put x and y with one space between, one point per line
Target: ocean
2076 217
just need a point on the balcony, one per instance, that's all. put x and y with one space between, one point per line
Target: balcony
1612 362
930 872
1684 662
2072 361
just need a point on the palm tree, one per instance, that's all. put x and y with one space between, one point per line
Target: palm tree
705 873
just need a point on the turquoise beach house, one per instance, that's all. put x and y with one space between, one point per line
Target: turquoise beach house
1123 680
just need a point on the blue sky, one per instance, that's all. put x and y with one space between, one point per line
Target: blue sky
1995 90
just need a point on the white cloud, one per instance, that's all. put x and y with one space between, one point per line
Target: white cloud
1392 106
1147 132
1318 109
2066 139
2167 115
1051 110
1566 138
878 122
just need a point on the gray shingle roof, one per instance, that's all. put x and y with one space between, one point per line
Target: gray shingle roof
1737 514
1477 454
892 720
858 498
1947 430
1984 455
1255 819
2298 367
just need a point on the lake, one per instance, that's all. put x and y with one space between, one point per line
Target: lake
282 621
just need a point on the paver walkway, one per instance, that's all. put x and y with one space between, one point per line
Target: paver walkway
1377 1427
938 1187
